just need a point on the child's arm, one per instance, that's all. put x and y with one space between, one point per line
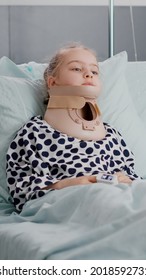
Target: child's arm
83 180
27 173
128 158
67 182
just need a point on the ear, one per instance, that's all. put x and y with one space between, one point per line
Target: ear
51 81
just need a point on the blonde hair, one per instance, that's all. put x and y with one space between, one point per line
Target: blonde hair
57 60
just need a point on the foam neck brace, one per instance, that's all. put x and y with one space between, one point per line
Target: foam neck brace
85 91
73 110
72 97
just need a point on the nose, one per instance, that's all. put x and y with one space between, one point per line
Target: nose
88 74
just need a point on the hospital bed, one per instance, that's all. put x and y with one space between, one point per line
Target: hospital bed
97 221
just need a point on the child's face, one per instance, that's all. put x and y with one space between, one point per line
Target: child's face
78 68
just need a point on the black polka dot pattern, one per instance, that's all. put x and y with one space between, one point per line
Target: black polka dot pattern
40 156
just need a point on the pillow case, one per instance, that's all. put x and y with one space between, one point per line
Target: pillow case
31 70
118 109
20 99
9 68
135 74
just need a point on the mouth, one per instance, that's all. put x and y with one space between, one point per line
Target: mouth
87 84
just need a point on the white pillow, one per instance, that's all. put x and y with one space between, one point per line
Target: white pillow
31 70
136 80
118 109
20 99
9 68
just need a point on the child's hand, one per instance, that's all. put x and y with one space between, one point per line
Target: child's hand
122 178
82 180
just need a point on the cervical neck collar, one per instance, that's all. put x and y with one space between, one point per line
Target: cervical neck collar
73 110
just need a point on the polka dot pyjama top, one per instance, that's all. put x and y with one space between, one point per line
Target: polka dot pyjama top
40 156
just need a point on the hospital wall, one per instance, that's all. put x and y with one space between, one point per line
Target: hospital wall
30 33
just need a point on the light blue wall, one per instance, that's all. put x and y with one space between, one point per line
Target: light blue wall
35 32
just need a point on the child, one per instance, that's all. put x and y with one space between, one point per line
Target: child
70 145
